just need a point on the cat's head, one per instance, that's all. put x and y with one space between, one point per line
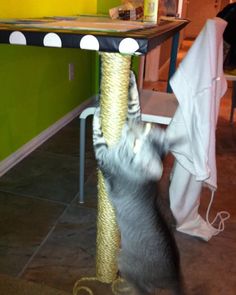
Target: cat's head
140 150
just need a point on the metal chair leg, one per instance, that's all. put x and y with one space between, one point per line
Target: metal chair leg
82 160
89 111
233 104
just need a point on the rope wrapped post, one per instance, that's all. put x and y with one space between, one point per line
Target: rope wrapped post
113 103
115 69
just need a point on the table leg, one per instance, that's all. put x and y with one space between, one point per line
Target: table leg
173 59
114 103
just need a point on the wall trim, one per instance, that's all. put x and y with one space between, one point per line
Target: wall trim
29 147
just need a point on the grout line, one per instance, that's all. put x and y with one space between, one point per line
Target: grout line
19 275
34 197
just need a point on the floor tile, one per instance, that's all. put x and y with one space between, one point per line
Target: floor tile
224 200
90 191
46 175
24 223
208 268
66 141
69 253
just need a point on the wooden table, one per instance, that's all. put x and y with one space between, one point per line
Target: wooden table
117 49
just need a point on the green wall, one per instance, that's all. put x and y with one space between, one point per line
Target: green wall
103 6
36 92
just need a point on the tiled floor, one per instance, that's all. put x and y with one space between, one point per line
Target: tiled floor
46 237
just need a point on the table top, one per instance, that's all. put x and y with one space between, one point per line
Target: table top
100 34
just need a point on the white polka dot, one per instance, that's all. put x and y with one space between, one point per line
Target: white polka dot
138 53
89 42
128 46
17 38
52 40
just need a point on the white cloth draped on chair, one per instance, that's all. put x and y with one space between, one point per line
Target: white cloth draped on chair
198 85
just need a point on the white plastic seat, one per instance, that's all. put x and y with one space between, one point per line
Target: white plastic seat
157 107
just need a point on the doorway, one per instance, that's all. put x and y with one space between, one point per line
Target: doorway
198 12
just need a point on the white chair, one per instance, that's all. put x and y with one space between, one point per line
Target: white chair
156 107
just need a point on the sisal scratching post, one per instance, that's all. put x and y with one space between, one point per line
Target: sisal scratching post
113 103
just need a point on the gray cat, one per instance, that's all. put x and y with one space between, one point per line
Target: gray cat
149 258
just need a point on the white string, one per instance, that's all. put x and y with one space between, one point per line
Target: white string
222 216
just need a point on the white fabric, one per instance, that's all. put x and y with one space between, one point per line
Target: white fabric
184 202
198 84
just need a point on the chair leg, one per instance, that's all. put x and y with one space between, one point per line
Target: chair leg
231 115
233 104
82 160
89 111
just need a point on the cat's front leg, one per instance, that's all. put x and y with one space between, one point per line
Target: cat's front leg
101 149
134 112
158 137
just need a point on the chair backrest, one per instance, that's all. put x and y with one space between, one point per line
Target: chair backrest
198 85
202 65
204 61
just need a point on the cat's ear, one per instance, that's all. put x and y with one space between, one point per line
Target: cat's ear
133 100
